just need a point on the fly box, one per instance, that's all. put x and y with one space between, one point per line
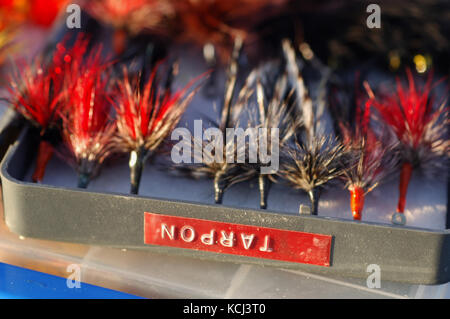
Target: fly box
317 244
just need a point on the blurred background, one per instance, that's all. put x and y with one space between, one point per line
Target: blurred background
412 34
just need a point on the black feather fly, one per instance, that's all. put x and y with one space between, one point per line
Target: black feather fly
316 158
215 164
274 118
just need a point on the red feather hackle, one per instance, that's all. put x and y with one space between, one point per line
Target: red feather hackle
420 128
145 118
35 94
372 152
38 89
87 127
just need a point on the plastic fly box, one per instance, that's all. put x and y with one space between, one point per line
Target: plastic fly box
316 244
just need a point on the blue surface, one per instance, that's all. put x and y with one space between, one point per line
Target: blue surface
21 283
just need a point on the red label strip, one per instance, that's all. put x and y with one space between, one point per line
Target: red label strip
237 239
